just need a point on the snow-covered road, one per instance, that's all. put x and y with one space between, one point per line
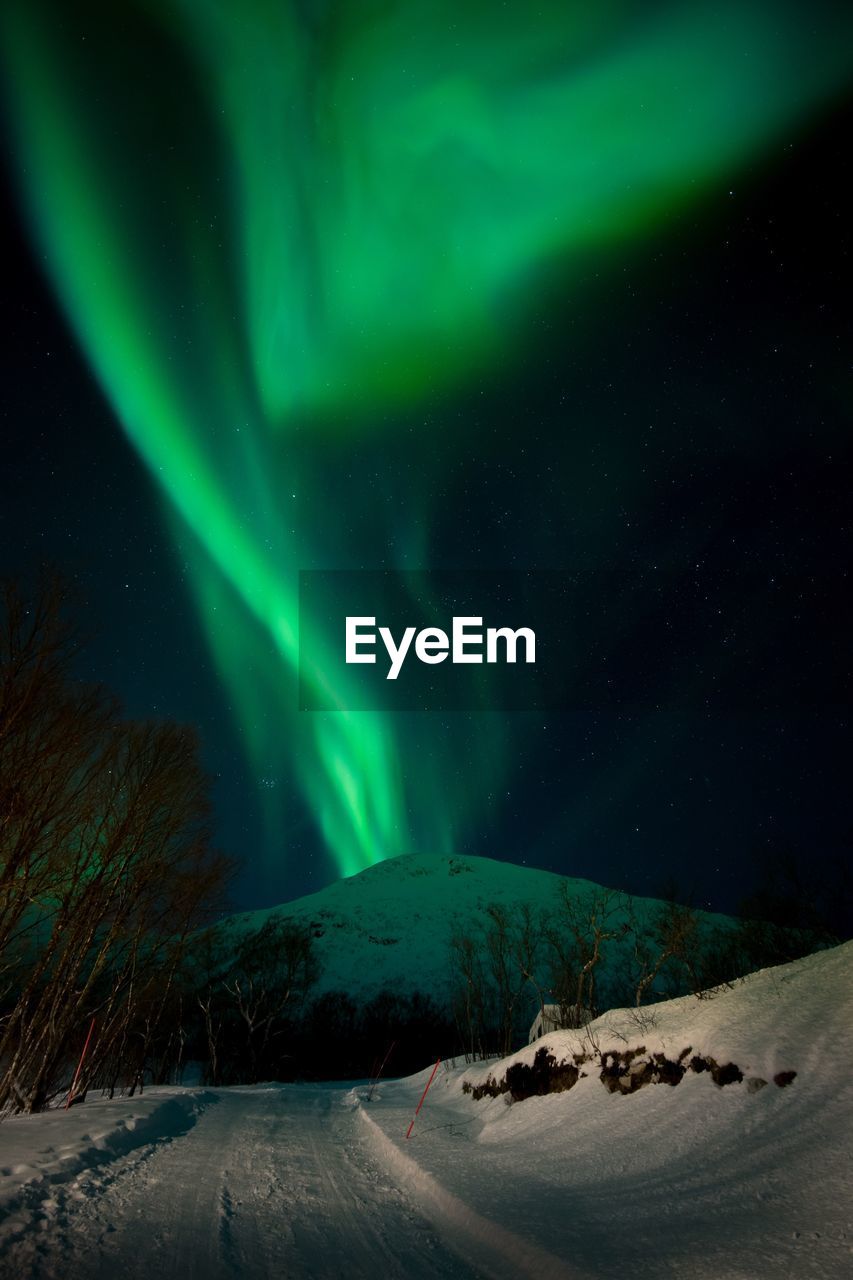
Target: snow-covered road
748 1181
269 1182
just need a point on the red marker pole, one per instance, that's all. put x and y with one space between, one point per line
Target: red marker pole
423 1095
79 1065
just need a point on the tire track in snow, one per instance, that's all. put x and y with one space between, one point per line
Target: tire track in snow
498 1253
270 1182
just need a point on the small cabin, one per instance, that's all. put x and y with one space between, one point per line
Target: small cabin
549 1019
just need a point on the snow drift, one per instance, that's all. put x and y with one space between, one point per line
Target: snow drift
701 1180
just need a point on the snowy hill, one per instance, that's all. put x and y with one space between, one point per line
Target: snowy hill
389 926
751 1179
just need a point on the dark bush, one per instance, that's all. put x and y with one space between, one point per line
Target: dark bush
544 1075
668 1072
621 1072
490 1088
728 1073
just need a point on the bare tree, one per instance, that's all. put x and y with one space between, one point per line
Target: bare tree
209 962
494 965
468 992
272 967
502 958
105 858
529 944
580 930
51 733
671 936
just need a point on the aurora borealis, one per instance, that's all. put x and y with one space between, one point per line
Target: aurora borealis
307 249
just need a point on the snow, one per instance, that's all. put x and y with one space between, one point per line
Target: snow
318 1181
268 1181
691 1180
388 928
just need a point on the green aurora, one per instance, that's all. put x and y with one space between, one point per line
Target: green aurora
276 229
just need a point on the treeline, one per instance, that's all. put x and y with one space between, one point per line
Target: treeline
602 949
245 1008
106 865
249 1013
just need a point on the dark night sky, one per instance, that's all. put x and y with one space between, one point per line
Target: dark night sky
688 398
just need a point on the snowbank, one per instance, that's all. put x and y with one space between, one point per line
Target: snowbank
695 1180
41 1153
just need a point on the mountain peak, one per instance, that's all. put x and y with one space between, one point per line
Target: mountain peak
389 926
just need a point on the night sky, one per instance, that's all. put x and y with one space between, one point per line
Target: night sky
382 286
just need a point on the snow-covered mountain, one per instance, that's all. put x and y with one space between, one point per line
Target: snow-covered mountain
388 928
